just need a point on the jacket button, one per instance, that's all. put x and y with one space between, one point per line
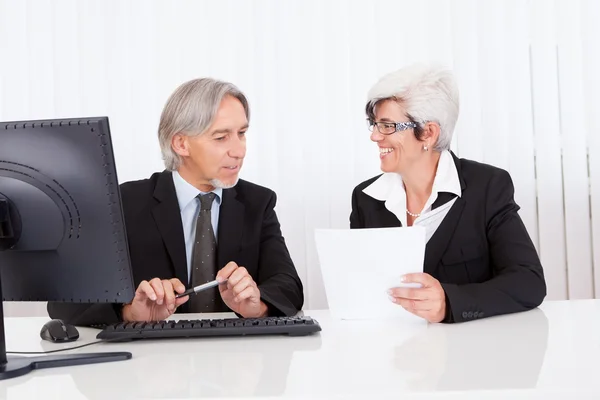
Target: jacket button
470 314
464 314
475 314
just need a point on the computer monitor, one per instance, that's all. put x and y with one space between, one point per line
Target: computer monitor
62 235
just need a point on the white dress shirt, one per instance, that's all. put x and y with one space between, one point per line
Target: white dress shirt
189 206
389 187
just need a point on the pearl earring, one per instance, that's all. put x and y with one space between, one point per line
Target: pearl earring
425 147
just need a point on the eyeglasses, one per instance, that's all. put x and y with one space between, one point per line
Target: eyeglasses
387 128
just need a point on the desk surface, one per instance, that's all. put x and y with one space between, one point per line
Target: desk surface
550 352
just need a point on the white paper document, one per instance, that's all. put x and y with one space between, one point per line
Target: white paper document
360 265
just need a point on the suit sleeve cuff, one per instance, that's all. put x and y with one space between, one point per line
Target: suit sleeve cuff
448 318
450 296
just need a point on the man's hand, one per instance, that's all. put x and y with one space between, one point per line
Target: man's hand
241 293
428 301
154 300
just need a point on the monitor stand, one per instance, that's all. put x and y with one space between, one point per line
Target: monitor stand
14 366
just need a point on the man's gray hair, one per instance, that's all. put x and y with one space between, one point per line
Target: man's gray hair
428 93
190 110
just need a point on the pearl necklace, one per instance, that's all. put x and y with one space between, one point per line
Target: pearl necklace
413 215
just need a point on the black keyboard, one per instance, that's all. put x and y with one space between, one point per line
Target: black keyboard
293 326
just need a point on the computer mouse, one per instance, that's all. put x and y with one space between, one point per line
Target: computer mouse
57 331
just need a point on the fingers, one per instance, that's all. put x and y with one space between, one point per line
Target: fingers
179 288
169 295
226 271
237 276
181 300
145 291
430 288
170 286
424 279
162 292
239 283
233 273
177 285
242 285
410 293
428 302
248 293
413 305
157 286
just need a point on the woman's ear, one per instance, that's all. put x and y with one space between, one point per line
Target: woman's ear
179 144
431 133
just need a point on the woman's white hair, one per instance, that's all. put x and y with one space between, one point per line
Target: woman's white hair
190 110
428 93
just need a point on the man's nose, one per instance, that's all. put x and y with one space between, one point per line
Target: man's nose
238 149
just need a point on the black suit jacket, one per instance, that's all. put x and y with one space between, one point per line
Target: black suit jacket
249 234
481 253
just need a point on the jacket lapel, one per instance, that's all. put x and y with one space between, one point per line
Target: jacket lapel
437 244
384 218
231 223
168 220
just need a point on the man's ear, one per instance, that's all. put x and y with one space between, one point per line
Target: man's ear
431 133
180 144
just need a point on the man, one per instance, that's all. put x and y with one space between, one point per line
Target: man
196 221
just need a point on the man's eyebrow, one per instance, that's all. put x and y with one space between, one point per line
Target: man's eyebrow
220 131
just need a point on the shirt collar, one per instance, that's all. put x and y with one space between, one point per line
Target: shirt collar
390 188
186 193
446 176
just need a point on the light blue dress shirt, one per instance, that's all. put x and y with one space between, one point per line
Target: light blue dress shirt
189 206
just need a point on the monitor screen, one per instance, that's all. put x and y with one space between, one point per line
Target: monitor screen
62 235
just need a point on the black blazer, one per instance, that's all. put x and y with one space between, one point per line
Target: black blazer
481 253
249 234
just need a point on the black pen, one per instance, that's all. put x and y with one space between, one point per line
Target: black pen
200 288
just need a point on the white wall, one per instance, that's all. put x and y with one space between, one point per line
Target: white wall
527 72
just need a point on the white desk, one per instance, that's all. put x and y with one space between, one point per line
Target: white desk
547 353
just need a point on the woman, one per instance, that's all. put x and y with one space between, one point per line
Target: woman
479 258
